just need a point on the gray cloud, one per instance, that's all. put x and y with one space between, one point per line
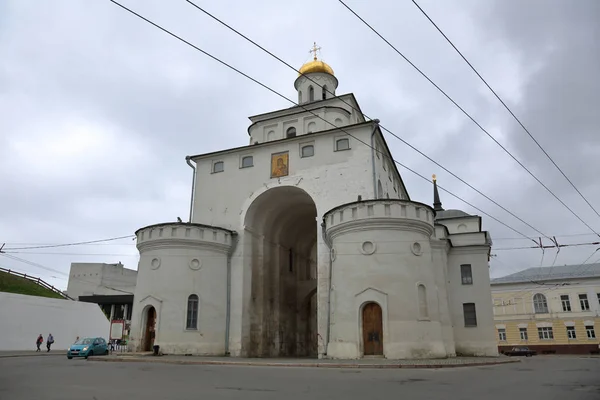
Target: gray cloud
100 109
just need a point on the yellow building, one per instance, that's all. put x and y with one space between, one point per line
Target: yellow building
550 309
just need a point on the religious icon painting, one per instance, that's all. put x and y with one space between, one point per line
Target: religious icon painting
280 164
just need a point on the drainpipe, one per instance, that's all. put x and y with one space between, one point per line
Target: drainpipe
375 127
188 161
329 246
234 241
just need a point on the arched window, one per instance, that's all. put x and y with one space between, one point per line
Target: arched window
192 312
308 151
311 94
540 305
379 190
219 166
312 127
342 144
324 92
291 132
247 161
422 295
299 97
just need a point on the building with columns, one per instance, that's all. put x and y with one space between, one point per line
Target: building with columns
306 243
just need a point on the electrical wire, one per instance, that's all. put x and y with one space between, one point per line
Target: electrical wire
324 87
470 117
507 108
305 109
70 244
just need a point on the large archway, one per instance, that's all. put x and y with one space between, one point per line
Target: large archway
149 329
281 249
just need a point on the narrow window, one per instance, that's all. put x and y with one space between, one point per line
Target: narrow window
422 297
502 335
379 190
523 333
591 334
566 303
247 161
307 151
342 144
219 166
540 305
192 312
466 274
470 314
571 332
324 92
299 96
311 94
584 303
291 132
545 333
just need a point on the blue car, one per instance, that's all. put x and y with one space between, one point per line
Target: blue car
88 347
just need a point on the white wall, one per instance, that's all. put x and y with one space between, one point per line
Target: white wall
330 177
479 340
176 261
389 276
25 317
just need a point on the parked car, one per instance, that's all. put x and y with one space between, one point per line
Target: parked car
521 351
88 347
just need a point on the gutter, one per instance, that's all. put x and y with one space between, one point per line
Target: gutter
235 239
375 127
329 246
188 161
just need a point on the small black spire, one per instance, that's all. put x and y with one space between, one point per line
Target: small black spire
437 204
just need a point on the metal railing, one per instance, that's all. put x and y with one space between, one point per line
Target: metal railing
38 281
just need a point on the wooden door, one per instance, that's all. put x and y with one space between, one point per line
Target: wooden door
149 333
372 330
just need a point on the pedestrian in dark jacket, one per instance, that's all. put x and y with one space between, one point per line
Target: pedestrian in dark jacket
49 341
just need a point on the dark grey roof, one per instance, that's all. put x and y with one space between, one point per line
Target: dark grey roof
563 272
451 214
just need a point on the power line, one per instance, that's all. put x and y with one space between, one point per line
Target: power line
307 110
505 106
365 115
470 117
554 246
70 244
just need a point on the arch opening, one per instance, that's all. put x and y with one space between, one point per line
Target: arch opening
149 329
281 238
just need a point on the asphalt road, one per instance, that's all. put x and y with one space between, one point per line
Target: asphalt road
50 378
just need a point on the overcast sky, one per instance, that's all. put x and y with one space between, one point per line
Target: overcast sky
98 110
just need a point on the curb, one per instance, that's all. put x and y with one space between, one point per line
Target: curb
32 355
306 365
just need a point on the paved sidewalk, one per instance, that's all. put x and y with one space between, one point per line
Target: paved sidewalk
307 362
26 353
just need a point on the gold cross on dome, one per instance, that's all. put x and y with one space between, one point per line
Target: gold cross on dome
314 50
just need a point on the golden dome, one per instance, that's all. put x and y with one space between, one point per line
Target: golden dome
316 66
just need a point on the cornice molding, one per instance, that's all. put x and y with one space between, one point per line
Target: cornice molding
182 244
380 223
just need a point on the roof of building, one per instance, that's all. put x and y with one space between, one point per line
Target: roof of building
563 272
444 214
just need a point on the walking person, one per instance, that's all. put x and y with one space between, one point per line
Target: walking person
39 342
49 341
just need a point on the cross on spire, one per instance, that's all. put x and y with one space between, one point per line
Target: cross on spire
314 50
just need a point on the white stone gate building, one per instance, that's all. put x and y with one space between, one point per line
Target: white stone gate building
306 243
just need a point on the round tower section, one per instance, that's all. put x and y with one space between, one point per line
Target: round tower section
383 288
180 300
